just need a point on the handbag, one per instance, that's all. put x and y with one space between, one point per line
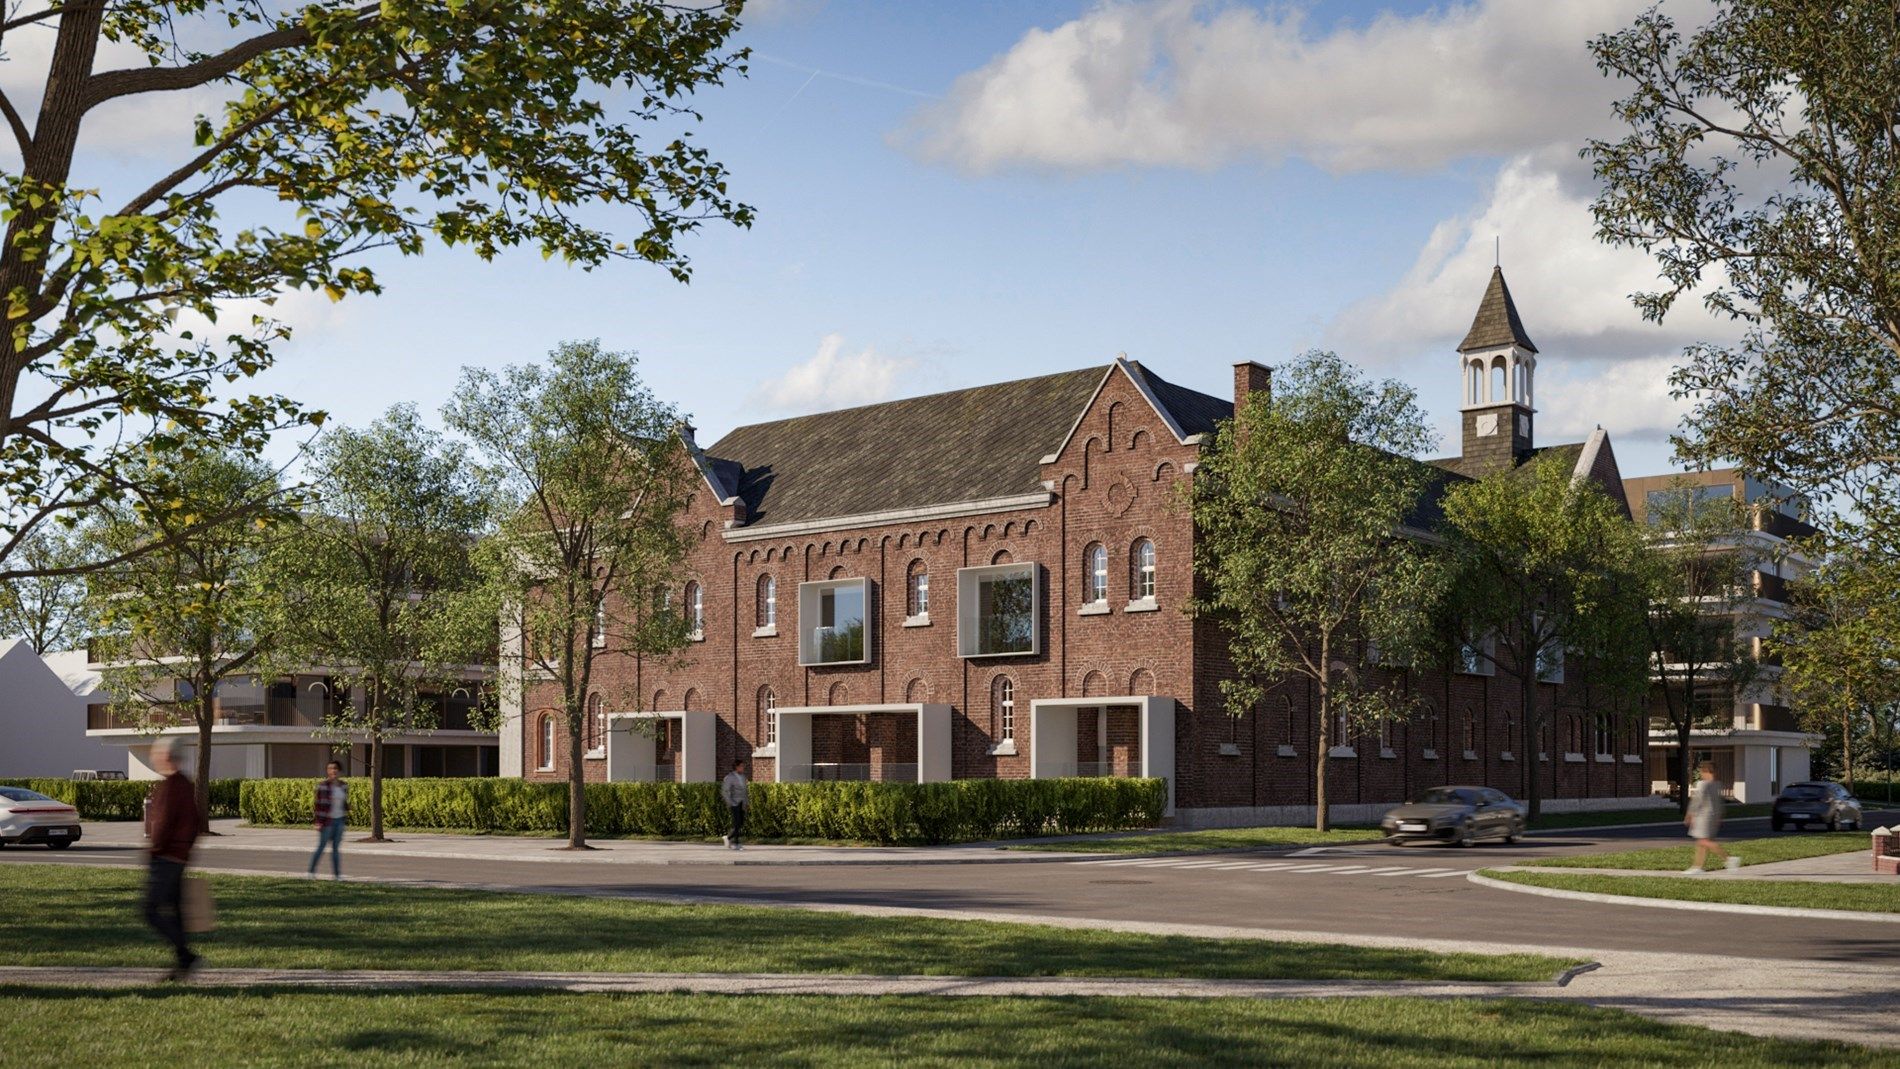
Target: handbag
197 908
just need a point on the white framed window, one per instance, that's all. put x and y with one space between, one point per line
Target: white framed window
1606 738
771 717
547 742
1005 709
768 602
600 623
696 609
998 610
1142 582
1550 663
918 596
1095 574
596 722
1385 735
1475 657
833 622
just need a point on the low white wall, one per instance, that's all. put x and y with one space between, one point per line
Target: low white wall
1284 815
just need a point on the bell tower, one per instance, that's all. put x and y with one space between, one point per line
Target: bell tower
1496 364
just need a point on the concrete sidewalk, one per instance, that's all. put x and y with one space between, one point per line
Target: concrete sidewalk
235 835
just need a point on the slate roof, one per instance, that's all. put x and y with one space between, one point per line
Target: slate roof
965 445
1496 323
1570 451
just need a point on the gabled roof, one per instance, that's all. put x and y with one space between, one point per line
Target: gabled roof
1496 324
986 443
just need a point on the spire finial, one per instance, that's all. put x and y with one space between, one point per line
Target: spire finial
1497 251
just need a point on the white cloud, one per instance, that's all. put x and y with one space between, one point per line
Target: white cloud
1629 398
1193 83
833 378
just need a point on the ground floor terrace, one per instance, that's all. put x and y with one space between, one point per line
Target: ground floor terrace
1220 769
1753 765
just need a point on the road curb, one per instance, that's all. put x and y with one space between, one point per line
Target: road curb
1676 903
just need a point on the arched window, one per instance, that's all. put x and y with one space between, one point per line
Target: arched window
547 742
1475 378
917 586
1497 379
1431 727
1342 729
1385 734
768 716
1095 574
1004 698
596 722
1142 578
1510 733
695 609
1287 716
768 602
600 623
1471 730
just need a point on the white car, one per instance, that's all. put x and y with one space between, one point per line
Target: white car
31 817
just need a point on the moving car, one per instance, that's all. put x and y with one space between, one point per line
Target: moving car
1815 802
31 817
1460 815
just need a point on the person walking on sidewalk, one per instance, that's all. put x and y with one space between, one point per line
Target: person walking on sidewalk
172 821
1704 819
332 815
737 792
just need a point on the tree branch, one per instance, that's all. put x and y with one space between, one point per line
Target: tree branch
112 84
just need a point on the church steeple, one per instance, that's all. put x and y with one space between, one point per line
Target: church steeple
1496 363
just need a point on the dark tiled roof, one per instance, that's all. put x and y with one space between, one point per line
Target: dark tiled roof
1496 322
1456 465
965 445
1195 411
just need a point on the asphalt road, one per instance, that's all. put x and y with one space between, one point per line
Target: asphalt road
1377 890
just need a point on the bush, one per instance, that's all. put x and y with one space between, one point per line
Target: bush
958 811
121 799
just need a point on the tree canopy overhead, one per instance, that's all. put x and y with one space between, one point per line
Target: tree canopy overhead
347 128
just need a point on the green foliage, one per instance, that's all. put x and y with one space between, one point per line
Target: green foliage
1549 565
47 605
1301 504
957 811
124 799
1840 651
1761 168
591 477
342 129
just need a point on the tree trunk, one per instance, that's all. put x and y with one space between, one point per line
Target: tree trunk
1322 819
1847 749
376 787
1527 697
576 787
207 712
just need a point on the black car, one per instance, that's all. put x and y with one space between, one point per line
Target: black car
1460 815
1815 802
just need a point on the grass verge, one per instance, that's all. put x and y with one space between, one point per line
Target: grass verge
299 1028
1196 842
1859 897
280 923
1788 846
1611 818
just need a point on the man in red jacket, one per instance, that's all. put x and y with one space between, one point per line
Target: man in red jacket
171 826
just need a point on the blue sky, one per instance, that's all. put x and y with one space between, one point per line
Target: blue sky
974 191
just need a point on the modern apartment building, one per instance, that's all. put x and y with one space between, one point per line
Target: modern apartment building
1749 733
991 582
267 728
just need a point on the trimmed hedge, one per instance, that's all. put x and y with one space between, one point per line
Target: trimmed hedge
120 799
958 811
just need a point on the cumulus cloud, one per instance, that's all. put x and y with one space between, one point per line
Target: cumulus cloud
1193 83
833 378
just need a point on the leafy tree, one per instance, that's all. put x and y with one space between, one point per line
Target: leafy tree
185 620
345 127
1700 632
1544 564
1301 504
47 605
380 569
1840 650
1761 168
593 479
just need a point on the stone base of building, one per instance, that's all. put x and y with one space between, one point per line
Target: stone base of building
1244 816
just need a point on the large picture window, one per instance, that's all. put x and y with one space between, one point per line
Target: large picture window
833 622
997 610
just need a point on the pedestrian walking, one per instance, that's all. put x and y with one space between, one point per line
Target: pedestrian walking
1704 819
737 792
172 822
332 815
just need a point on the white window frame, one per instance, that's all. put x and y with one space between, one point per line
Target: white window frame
768 603
597 708
1485 663
917 594
1144 570
547 744
809 595
968 603
696 609
1550 664
771 717
1006 709
1095 576
600 623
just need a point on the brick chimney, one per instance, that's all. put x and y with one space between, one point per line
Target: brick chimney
1250 378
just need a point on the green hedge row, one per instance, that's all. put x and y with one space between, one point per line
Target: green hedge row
120 799
959 811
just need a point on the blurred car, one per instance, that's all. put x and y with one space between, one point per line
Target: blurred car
31 817
1815 802
97 773
1460 815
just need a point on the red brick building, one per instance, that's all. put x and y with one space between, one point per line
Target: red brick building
992 581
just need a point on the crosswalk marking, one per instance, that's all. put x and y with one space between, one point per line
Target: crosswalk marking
1229 864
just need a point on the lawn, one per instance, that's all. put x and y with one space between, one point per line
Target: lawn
301 1028
1610 818
1195 842
288 923
1788 846
1860 897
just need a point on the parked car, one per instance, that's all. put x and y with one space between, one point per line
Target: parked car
31 817
1816 802
97 773
1460 815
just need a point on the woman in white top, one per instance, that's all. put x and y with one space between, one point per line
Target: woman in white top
1704 820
